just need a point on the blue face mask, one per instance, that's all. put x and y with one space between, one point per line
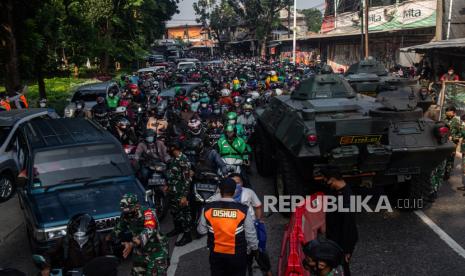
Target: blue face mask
238 193
150 139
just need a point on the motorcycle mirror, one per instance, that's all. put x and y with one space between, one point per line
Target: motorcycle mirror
39 261
148 195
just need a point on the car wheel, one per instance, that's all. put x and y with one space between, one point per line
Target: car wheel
7 187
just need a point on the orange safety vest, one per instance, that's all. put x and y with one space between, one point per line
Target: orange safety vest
22 98
5 104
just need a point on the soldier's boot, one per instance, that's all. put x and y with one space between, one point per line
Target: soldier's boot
186 238
174 232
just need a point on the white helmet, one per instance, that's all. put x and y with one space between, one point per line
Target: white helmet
225 92
254 95
278 92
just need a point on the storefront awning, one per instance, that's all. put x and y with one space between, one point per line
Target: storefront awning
443 44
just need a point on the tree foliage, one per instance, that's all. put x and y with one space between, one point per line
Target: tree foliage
219 18
41 37
313 18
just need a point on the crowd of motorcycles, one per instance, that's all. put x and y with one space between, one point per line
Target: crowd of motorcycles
210 114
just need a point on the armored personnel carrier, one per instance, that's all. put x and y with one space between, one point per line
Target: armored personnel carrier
374 141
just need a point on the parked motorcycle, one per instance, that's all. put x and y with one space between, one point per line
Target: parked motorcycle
157 182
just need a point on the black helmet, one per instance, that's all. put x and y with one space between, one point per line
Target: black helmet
81 228
100 100
123 123
149 135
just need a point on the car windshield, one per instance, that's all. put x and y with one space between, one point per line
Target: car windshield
4 131
88 95
186 66
78 164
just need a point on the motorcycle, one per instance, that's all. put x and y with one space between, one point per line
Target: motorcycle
157 182
91 268
205 186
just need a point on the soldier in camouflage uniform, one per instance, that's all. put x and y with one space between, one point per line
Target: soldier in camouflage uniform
149 247
179 178
455 126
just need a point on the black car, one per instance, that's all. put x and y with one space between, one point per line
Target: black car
71 166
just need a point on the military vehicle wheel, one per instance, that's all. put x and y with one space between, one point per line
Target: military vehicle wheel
288 181
417 191
263 158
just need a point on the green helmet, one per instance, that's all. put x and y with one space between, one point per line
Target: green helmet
204 100
177 90
129 201
231 116
229 128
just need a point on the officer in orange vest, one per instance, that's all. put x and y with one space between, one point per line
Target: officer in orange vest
231 233
4 103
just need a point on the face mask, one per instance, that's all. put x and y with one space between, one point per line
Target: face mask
247 113
232 122
81 238
150 139
79 106
204 105
450 72
217 111
194 99
110 95
42 104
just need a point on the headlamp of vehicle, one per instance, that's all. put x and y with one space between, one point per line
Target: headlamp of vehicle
49 234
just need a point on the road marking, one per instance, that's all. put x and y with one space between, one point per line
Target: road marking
443 235
180 251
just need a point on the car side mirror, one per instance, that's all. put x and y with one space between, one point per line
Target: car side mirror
21 181
148 195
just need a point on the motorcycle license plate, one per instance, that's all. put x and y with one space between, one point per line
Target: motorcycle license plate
206 187
157 181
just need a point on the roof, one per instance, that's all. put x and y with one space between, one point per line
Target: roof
66 131
442 44
96 86
9 118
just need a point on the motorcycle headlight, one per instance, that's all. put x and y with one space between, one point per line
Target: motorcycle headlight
49 234
68 112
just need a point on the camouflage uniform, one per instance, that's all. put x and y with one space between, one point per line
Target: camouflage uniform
150 258
178 175
455 127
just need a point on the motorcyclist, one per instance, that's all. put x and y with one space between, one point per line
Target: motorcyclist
237 102
137 96
225 98
148 150
112 100
80 112
43 103
100 112
231 119
157 119
247 119
205 111
194 137
124 132
194 101
232 146
79 246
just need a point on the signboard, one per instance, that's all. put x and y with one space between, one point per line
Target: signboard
406 15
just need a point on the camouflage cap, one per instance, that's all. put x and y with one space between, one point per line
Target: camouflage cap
129 200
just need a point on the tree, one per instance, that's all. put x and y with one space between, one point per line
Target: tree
313 18
259 16
219 21
38 37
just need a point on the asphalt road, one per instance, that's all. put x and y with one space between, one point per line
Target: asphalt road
397 243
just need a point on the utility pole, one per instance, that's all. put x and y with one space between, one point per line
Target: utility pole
362 38
449 19
335 14
209 27
367 52
439 16
294 32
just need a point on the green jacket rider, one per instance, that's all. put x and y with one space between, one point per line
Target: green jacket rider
232 146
